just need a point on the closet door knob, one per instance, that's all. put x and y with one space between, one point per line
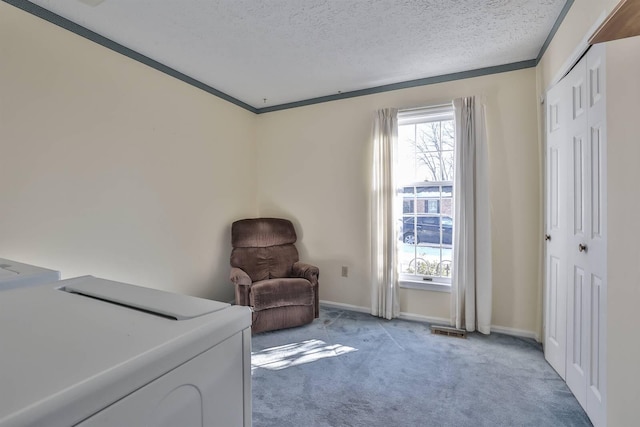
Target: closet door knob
582 248
547 237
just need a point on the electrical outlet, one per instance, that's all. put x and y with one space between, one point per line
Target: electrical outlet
345 271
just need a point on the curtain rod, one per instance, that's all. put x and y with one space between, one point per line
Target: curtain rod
408 110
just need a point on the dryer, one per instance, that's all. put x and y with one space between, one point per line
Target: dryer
92 352
16 274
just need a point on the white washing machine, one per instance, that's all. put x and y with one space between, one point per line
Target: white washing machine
92 352
16 274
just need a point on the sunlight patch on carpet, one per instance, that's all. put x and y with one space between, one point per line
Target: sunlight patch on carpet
288 355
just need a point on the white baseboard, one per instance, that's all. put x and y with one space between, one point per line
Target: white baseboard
421 318
404 316
436 320
515 332
350 307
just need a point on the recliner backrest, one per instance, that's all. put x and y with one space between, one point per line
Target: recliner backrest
264 247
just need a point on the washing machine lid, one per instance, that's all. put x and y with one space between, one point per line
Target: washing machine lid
70 348
174 306
15 274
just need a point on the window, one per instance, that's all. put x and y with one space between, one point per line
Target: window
425 173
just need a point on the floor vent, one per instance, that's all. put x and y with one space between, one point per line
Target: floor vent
450 332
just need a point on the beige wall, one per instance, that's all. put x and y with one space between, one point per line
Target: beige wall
110 168
314 166
623 254
135 176
623 151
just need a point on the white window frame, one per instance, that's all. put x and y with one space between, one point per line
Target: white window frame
415 116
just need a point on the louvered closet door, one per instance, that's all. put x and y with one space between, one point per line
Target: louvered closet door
556 183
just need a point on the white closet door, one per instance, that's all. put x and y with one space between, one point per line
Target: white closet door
556 229
576 222
587 251
579 231
597 242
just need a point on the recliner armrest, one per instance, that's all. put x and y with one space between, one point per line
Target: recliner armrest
239 277
306 271
242 284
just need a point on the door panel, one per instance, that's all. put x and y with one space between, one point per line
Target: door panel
578 315
596 184
578 185
576 339
555 346
554 201
556 328
580 196
578 104
596 289
597 254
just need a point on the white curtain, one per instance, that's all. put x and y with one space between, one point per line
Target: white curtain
471 276
384 290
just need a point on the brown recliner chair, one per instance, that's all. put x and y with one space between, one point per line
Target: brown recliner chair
268 277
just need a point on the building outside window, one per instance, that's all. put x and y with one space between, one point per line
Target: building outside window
425 174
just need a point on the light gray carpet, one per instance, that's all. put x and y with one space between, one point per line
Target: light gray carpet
352 369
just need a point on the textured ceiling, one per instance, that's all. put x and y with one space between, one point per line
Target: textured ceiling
291 50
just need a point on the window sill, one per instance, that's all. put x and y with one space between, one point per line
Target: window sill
425 286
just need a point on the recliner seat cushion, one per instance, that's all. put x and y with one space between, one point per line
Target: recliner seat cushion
281 292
